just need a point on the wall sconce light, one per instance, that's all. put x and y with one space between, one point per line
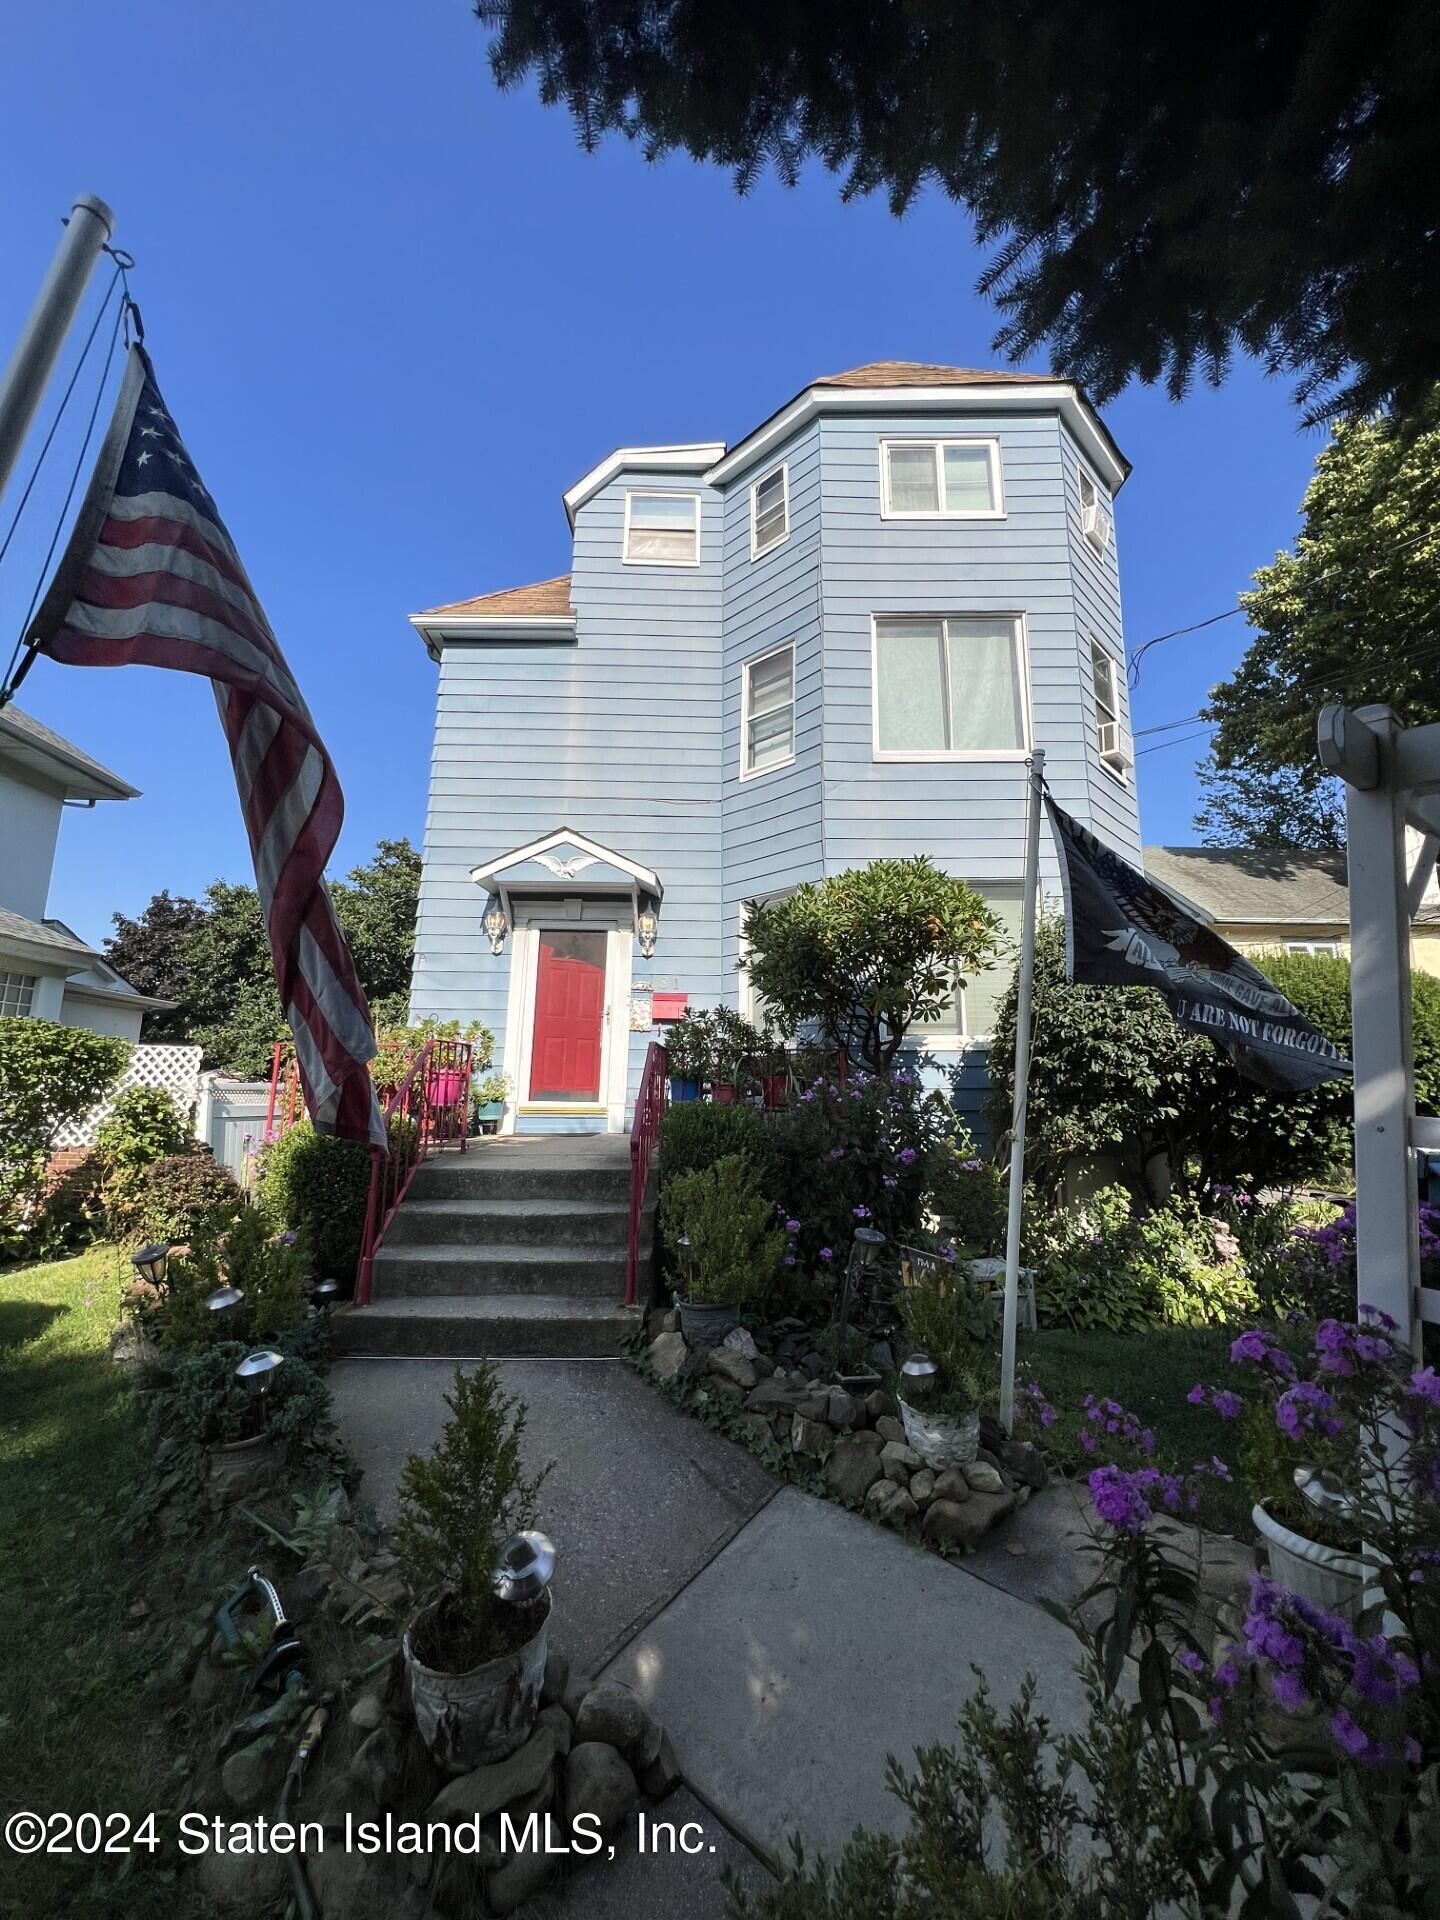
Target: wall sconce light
496 927
153 1263
647 929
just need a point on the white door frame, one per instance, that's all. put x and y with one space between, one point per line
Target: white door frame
615 1022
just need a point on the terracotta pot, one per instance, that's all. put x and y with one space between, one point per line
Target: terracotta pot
1324 1575
468 1720
722 1093
772 1087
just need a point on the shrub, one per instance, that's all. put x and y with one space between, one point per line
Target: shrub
49 1074
72 1213
721 1232
458 1504
970 1196
867 954
1101 1266
959 1329
272 1273
1315 1271
399 1045
313 1184
186 1198
143 1126
695 1134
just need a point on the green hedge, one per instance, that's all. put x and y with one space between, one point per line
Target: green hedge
313 1184
695 1134
48 1074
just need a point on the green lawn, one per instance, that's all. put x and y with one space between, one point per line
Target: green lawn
80 1679
1150 1375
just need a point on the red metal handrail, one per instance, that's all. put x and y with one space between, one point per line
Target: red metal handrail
644 1136
429 1109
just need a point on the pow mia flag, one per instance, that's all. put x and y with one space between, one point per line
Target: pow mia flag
1121 930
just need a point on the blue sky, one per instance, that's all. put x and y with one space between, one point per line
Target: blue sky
395 313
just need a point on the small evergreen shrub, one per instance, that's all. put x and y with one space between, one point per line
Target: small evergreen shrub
720 1230
695 1134
186 1198
458 1505
960 1331
313 1184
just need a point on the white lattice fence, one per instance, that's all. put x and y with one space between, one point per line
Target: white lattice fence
176 1069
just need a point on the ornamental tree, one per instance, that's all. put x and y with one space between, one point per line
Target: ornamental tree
867 955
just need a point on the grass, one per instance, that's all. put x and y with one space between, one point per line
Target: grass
1149 1374
82 1682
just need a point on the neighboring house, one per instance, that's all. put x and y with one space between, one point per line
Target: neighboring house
47 971
835 640
1264 899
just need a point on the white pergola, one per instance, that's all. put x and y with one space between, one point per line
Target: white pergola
1392 776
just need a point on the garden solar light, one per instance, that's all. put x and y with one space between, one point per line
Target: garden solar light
324 1291
224 1298
865 1248
1325 1491
496 927
256 1371
525 1568
920 1375
153 1263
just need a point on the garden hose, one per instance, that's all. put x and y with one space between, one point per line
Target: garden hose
294 1777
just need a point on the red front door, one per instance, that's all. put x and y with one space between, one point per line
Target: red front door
569 1016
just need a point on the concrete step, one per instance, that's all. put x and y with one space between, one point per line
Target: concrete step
407 1272
500 1326
452 1221
480 1174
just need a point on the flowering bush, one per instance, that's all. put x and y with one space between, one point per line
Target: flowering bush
1314 1270
1101 1266
858 1155
969 1197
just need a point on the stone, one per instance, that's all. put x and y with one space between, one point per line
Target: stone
557 1678
240 1882
809 1436
377 1764
662 1775
853 1468
877 1406
304 1592
518 1876
980 1477
368 1713
890 1502
559 1722
953 1525
668 1354
756 1429
897 1453
661 1320
841 1409
811 1365
922 1487
882 1358
1025 1463
598 1782
251 1776
740 1340
576 1688
952 1485
889 1428
208 1685
778 1395
611 1714
486 1790
731 1366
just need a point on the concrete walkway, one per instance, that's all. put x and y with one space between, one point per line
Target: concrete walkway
786 1644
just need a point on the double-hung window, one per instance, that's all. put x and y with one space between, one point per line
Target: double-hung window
768 712
17 994
663 529
1325 949
1109 734
947 1029
769 511
947 687
940 480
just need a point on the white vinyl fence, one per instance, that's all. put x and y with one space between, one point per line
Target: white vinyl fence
176 1069
230 1118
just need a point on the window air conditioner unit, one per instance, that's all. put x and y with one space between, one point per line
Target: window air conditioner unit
1098 525
1112 746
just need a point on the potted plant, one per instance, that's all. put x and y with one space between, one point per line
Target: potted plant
687 1053
488 1097
734 1046
773 1065
720 1230
474 1660
941 1384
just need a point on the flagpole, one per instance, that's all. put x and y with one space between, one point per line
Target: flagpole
87 229
1023 989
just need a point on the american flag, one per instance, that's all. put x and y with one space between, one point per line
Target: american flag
151 576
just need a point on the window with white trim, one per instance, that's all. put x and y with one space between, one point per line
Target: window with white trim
769 511
947 1029
1109 731
767 718
1096 521
940 479
17 994
948 686
663 529
1329 949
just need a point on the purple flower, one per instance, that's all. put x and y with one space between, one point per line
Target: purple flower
1251 1345
789 1260
1303 1407
1426 1384
837 1153
1228 1405
1194 1661
1118 1500
1288 1692
891 1181
1197 1396
907 1156
1351 1737
792 1226
861 1213
827 1253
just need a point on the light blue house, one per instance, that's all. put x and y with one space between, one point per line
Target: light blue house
834 640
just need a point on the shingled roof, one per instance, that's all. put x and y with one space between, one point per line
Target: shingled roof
544 598
921 373
1250 886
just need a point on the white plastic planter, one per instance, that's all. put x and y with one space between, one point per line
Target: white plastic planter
1323 1575
940 1440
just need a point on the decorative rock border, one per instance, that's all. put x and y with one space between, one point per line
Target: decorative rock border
847 1446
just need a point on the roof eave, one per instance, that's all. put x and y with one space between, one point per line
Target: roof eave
436 629
694 457
1050 396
